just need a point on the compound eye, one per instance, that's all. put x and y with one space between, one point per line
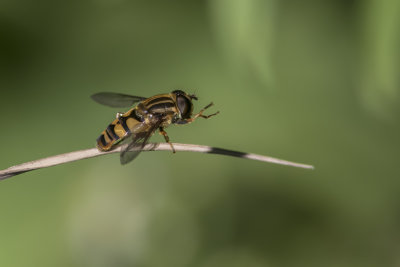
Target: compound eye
184 106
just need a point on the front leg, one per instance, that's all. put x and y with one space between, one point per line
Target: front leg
200 114
164 133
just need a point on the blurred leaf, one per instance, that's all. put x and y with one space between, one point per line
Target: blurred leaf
380 79
244 31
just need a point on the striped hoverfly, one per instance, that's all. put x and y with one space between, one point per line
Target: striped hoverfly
137 125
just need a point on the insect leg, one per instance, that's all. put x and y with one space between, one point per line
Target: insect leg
200 114
164 133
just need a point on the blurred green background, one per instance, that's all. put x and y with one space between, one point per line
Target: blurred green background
308 81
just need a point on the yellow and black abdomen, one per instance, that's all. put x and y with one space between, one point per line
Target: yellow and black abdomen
120 128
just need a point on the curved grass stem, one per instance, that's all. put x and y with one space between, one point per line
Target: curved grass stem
94 152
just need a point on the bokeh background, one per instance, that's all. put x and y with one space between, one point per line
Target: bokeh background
309 81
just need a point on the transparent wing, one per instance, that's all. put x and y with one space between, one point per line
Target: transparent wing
116 100
139 140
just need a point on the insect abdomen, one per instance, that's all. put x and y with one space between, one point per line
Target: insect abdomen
118 130
111 135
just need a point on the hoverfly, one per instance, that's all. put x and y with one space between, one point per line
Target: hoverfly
138 124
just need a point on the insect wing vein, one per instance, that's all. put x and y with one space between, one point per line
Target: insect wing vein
139 140
116 100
